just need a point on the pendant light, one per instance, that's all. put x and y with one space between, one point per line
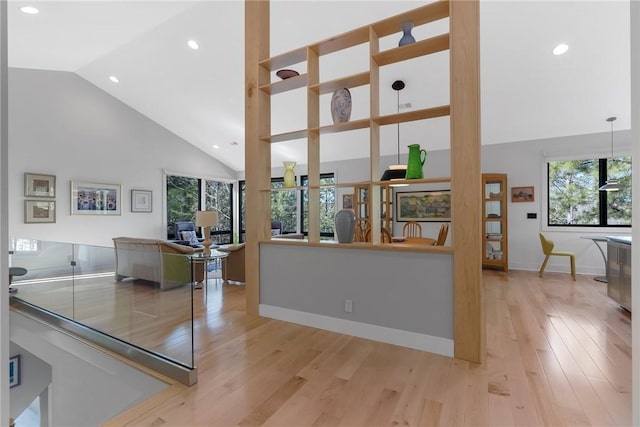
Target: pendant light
396 172
611 184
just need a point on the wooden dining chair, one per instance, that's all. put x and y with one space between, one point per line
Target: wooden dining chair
367 232
412 229
442 235
385 236
359 233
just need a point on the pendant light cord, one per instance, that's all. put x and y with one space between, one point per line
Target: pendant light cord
398 85
611 120
398 124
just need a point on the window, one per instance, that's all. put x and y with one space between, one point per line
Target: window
284 207
183 200
219 198
327 205
186 196
574 198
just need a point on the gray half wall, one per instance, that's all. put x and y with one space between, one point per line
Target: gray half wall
403 291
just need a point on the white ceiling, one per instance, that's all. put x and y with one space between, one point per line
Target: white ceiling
527 93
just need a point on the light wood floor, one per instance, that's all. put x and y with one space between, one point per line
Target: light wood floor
558 353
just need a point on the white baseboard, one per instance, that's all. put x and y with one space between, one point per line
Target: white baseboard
399 337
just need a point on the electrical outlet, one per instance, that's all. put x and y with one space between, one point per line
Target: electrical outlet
348 306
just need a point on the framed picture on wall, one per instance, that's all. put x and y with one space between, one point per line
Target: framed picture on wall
14 371
88 198
347 201
141 201
38 185
39 211
522 194
423 206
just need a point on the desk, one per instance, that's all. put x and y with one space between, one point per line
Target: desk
205 259
595 240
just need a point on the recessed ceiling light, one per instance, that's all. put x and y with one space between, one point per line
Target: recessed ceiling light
193 44
114 79
29 9
560 49
216 146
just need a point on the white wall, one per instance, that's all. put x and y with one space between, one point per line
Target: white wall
94 385
524 163
60 124
35 377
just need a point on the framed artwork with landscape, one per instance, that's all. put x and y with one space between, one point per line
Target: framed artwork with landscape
88 198
39 185
423 206
522 194
39 211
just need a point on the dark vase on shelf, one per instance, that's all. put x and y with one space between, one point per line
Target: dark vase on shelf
345 220
407 38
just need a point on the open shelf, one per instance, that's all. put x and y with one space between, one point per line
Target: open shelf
409 116
413 50
286 85
350 82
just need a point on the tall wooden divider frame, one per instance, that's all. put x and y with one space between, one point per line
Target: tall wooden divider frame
464 112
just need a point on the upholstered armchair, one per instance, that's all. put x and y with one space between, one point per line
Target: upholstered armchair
179 238
233 265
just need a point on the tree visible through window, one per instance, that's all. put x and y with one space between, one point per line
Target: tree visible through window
183 200
284 207
185 196
574 198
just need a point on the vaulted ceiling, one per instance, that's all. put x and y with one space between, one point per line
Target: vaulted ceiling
527 92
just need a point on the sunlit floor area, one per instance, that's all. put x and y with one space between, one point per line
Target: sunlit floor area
135 311
558 354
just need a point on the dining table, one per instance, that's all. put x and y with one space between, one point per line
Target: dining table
414 240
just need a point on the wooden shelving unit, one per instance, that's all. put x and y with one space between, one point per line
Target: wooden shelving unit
494 221
462 43
380 204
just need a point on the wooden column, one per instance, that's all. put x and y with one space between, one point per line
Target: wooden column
257 153
466 181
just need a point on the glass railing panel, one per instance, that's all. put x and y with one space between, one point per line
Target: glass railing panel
48 282
152 303
138 295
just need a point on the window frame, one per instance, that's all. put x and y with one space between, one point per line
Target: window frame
590 228
299 204
201 202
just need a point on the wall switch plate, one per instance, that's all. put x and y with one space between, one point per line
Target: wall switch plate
532 215
348 306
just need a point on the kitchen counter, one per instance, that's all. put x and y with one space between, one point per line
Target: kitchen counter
619 270
620 239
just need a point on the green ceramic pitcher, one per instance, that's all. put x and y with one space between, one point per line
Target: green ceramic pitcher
416 160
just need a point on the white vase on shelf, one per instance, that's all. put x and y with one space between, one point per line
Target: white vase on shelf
341 105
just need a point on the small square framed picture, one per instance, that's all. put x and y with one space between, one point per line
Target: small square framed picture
141 201
14 371
38 185
39 211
